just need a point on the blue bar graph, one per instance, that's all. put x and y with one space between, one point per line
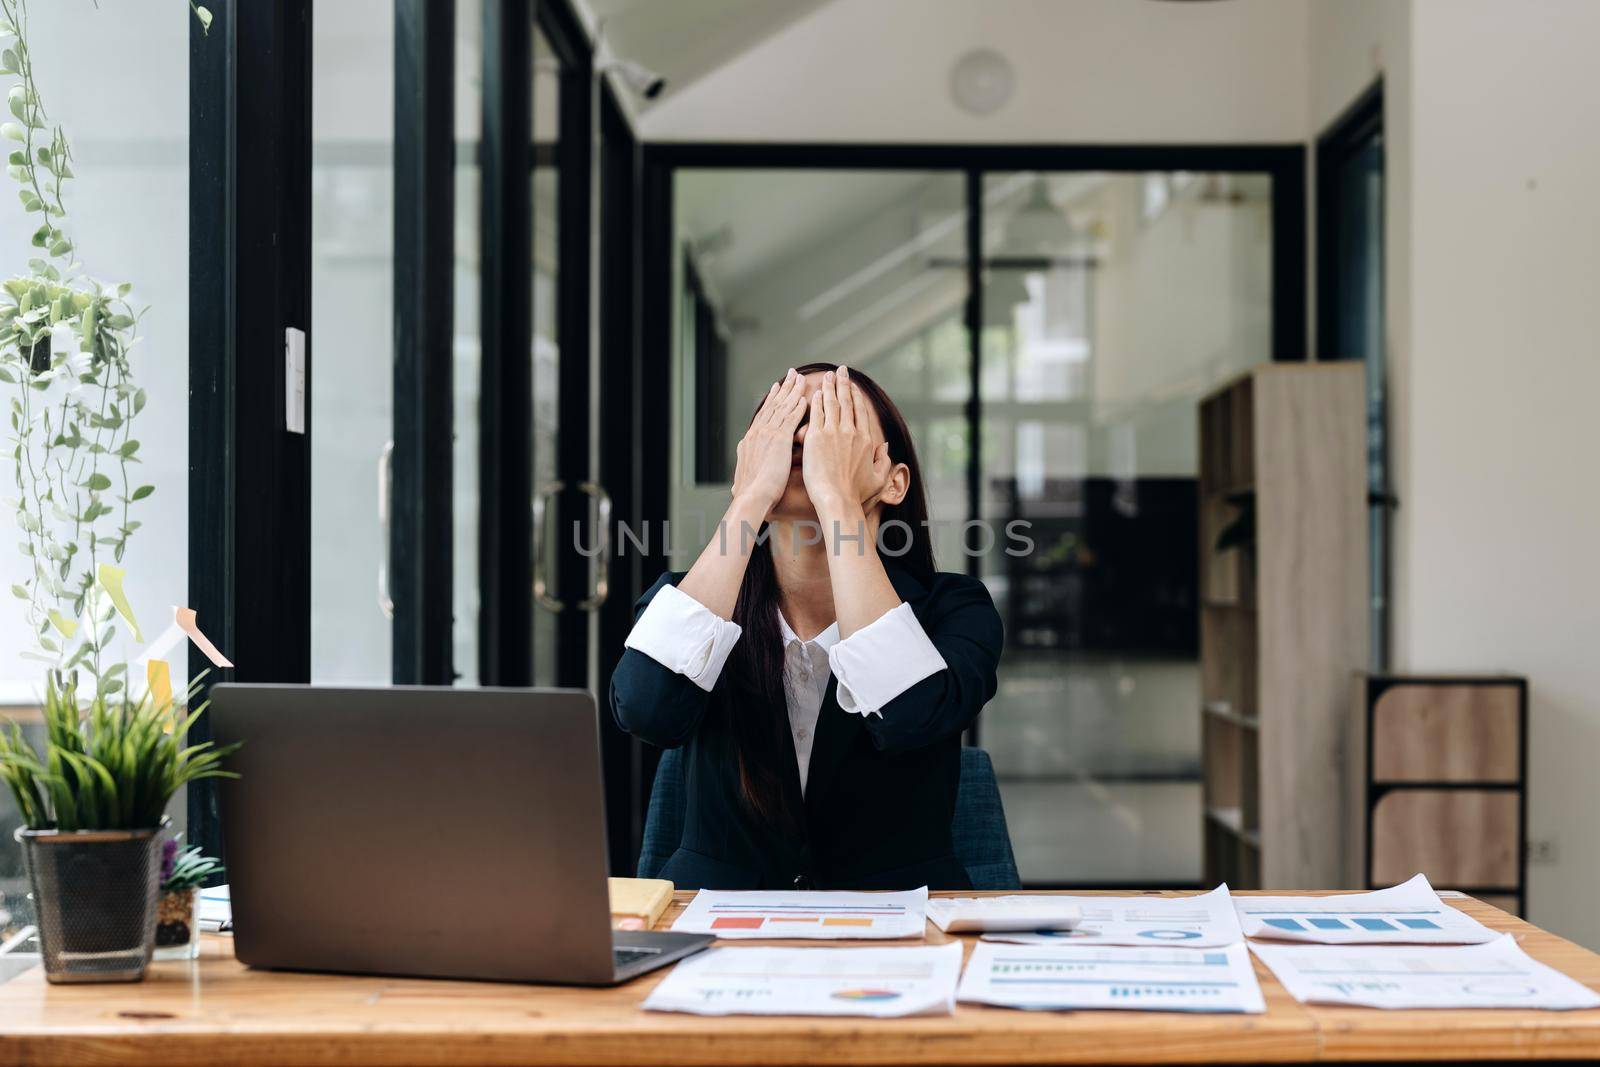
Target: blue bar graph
1374 924
1285 924
1420 924
1329 924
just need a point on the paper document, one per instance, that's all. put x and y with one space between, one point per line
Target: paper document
1410 914
879 982
215 910
829 916
1010 913
1093 977
1203 921
1494 975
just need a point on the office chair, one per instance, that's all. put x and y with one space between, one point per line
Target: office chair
978 830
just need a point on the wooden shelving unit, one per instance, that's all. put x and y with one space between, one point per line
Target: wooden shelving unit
1283 620
1439 784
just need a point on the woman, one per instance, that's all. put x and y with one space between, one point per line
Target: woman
818 678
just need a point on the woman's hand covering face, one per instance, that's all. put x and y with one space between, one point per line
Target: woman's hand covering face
840 463
766 452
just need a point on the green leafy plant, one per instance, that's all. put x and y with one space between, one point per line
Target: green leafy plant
65 339
185 869
111 765
202 13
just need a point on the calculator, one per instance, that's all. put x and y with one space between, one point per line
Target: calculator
957 915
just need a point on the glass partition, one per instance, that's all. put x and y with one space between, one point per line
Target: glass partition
782 267
467 348
1111 304
352 352
547 280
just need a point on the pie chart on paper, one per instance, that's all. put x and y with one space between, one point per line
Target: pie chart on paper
866 994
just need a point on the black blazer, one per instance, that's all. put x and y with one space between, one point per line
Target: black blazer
880 792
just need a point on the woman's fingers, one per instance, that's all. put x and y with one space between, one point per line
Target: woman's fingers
862 407
830 398
847 403
794 410
778 408
819 414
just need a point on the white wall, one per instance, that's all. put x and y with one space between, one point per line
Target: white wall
1503 498
1086 71
1494 346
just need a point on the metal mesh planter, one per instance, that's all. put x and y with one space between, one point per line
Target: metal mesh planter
95 894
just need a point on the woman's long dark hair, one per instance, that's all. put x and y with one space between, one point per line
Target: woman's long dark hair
756 665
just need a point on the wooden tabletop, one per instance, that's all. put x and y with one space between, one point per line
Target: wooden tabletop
215 1011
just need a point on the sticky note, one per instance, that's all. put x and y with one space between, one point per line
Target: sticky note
111 581
159 676
186 621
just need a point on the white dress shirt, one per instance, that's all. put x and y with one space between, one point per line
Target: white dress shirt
874 665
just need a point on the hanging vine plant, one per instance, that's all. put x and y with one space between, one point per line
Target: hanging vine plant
65 341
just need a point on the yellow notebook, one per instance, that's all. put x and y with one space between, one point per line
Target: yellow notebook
636 903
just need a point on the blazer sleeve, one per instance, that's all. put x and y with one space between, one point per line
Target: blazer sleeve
651 701
965 629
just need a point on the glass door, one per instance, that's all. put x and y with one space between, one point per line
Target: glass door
352 315
545 190
513 601
1111 303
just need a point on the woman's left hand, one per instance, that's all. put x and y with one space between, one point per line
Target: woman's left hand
839 463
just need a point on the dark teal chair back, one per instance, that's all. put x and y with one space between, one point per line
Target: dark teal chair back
979 828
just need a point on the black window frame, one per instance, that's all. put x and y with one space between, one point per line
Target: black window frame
1349 135
249 281
710 377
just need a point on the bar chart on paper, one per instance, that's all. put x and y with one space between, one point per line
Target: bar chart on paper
1411 913
813 915
1090 977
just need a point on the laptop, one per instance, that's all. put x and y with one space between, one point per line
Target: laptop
430 832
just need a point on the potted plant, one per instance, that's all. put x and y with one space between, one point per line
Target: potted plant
93 800
94 807
183 872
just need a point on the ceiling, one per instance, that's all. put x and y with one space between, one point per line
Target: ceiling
758 219
684 40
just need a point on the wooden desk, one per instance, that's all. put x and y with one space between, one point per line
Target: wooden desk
215 1011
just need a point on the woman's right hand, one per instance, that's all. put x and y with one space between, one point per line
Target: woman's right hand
766 452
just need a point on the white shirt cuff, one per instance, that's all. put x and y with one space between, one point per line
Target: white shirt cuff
882 660
683 635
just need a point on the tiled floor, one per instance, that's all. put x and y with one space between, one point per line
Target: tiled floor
1099 760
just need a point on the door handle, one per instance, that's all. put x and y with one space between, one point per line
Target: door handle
385 600
602 573
541 593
